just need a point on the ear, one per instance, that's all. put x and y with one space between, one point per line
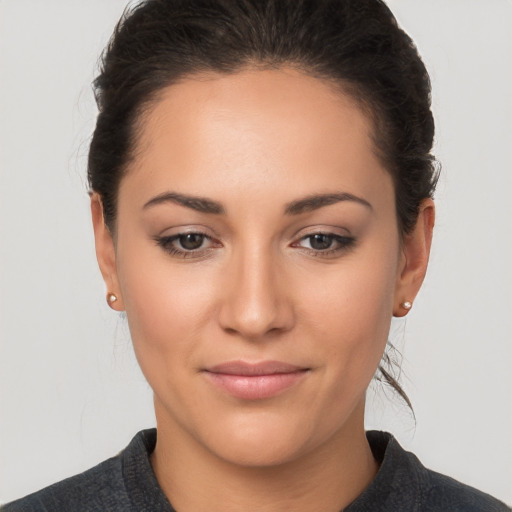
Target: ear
105 252
414 258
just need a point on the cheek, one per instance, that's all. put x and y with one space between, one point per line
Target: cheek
167 307
351 309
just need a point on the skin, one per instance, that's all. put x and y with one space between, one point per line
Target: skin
257 289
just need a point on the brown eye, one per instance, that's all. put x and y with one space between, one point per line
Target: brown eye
320 242
186 245
328 245
191 241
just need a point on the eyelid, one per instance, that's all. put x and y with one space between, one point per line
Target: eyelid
324 229
186 229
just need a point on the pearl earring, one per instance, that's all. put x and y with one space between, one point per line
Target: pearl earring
406 305
111 298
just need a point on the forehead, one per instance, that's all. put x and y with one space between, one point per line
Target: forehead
257 129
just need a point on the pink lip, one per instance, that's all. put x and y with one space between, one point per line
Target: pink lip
255 381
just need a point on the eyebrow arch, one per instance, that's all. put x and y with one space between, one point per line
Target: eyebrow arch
315 202
200 204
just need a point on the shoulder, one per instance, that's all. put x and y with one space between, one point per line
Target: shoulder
86 492
404 483
121 483
445 493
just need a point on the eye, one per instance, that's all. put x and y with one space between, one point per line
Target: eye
320 241
325 244
191 241
186 245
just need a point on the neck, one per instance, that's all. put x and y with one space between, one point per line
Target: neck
327 478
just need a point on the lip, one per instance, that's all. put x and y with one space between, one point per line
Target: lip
255 381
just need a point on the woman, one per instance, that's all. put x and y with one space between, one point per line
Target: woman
261 197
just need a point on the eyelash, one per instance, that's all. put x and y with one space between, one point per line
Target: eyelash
344 244
167 244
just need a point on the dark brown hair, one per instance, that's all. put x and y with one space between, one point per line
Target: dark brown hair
356 44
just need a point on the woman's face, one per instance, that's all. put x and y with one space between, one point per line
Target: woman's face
258 260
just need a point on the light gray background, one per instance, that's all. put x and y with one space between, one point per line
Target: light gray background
70 391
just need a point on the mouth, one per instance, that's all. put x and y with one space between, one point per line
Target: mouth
255 381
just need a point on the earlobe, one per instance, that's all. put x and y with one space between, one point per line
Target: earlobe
105 252
414 261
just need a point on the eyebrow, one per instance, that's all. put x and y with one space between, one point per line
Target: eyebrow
205 205
200 204
317 201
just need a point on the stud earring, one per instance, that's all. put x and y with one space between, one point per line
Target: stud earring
406 305
111 298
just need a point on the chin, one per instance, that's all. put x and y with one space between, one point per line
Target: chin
260 451
263 441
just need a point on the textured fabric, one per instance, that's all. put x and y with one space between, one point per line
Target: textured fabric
404 484
126 483
123 483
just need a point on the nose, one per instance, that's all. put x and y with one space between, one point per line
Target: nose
256 302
